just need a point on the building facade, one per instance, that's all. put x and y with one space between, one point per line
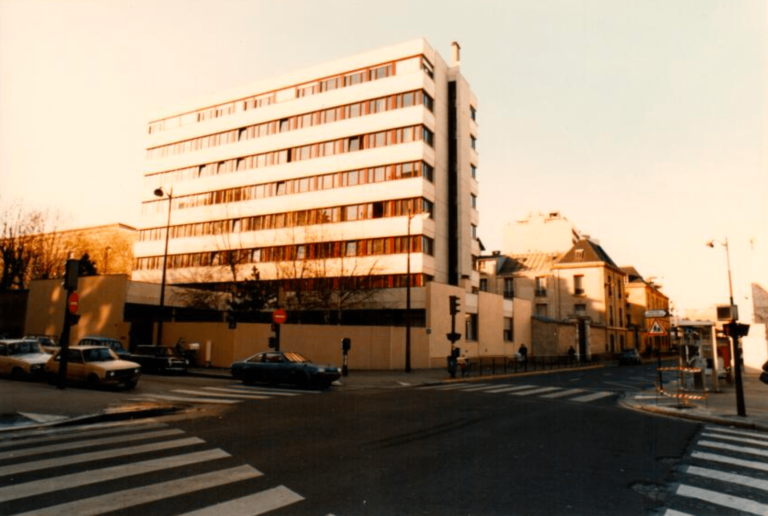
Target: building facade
322 172
644 295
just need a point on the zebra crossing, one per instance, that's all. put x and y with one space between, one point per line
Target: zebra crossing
73 471
726 472
230 395
569 394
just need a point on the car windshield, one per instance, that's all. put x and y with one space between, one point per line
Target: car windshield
162 351
98 355
24 348
296 358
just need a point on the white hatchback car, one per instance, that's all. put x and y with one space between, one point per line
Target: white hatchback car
22 359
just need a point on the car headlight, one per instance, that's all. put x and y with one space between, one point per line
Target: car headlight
36 367
110 374
321 369
137 370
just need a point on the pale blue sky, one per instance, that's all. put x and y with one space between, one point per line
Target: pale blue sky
643 122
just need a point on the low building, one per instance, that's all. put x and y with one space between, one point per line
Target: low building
642 296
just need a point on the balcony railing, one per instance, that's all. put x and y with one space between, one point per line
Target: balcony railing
541 292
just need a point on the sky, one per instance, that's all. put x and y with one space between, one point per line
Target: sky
644 122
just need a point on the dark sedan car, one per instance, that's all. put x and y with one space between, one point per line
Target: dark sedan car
630 357
158 359
284 367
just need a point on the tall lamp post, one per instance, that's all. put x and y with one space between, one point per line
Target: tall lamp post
408 292
159 192
741 409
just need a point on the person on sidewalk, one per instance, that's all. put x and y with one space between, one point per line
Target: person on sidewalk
524 354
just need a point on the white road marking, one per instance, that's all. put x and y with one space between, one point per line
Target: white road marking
40 450
222 394
479 388
672 512
540 390
730 447
452 386
742 440
56 436
724 459
26 467
561 394
593 396
259 392
252 505
744 433
153 492
731 502
508 389
732 478
165 397
74 480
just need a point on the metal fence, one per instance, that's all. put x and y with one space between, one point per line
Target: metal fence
488 366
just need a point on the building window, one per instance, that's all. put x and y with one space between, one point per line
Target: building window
541 286
541 309
509 329
471 327
473 113
473 199
509 288
484 285
580 308
473 142
578 285
473 171
474 231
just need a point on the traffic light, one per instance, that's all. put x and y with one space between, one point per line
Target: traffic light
272 342
734 329
455 307
346 344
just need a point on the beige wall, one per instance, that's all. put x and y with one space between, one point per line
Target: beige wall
101 308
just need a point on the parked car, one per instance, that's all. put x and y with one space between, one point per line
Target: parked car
96 366
630 357
48 343
284 367
22 359
159 359
113 344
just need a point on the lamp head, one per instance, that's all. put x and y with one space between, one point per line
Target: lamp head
711 244
159 192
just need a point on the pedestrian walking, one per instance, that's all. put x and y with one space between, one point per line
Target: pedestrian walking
524 354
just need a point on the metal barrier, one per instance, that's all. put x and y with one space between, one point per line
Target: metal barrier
493 365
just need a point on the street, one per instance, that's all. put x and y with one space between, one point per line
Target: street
540 445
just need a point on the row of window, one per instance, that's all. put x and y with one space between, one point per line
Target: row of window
311 151
296 186
367 211
373 73
310 251
327 116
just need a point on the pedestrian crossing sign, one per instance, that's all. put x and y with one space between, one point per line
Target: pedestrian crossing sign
657 330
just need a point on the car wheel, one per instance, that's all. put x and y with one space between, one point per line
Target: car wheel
131 385
93 381
17 373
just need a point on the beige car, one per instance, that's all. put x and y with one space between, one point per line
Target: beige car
22 359
96 366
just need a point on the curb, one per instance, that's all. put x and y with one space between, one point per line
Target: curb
693 415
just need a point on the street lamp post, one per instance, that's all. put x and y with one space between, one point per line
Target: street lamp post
740 408
159 192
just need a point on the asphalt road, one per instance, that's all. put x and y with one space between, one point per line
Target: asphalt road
554 444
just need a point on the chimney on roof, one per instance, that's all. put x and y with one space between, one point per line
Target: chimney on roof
456 54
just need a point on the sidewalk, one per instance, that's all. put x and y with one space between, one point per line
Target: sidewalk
718 408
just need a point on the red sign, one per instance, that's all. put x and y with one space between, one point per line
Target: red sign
74 303
279 316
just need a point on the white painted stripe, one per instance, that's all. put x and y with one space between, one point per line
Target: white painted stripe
452 386
540 390
88 457
85 478
252 505
186 399
479 388
724 459
593 396
275 390
735 439
151 493
562 394
222 394
672 512
88 443
730 447
254 392
732 478
732 502
508 389
56 436
734 431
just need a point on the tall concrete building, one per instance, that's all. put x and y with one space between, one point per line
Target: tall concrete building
326 170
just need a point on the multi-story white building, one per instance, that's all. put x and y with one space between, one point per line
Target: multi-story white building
325 170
